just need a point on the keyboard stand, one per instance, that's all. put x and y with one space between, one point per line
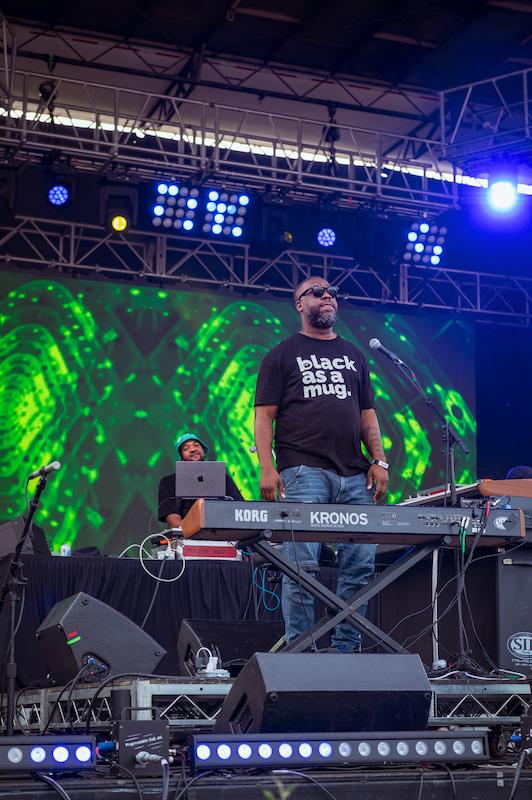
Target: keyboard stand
339 609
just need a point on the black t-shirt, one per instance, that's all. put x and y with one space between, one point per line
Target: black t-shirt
320 387
170 504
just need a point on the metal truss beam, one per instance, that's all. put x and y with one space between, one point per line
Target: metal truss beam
193 704
174 260
189 705
99 127
488 118
206 107
214 71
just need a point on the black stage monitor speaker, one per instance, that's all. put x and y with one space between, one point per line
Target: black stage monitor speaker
233 642
82 627
309 692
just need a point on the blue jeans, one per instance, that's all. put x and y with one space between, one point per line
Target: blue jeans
356 561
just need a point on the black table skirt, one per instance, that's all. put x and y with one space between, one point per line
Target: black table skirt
206 590
214 590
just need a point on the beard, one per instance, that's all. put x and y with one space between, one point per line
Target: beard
322 319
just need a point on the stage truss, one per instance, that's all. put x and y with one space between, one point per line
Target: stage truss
192 704
172 260
202 115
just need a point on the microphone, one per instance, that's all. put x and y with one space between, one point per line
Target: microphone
375 344
54 466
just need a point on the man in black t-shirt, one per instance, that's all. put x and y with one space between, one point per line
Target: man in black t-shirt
314 387
172 509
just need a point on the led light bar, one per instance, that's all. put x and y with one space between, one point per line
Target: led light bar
237 751
30 753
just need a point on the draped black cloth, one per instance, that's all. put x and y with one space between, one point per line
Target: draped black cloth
206 590
218 590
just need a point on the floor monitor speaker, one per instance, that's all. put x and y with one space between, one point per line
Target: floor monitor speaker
81 627
233 642
310 692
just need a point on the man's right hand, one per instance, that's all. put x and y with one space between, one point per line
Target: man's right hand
271 484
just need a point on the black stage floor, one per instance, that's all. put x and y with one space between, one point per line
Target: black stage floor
488 782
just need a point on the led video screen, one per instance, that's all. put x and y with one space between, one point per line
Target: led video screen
105 376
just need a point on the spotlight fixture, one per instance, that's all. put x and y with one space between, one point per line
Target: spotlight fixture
58 188
58 194
238 751
119 223
118 207
326 237
30 753
425 241
225 213
179 207
175 206
502 194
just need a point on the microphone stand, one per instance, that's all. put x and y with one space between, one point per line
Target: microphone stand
450 440
10 591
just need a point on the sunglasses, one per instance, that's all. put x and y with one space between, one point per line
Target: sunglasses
318 290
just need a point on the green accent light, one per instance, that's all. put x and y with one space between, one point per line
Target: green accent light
104 377
73 641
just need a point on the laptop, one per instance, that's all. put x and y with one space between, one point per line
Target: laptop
195 479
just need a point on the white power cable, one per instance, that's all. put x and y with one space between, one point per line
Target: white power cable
146 570
129 548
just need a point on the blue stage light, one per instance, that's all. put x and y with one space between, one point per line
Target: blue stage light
435 260
437 250
419 247
83 753
60 754
58 194
192 202
265 751
502 196
203 752
326 237
243 200
213 195
223 751
211 206
221 207
233 751
158 210
173 190
217 228
244 751
188 225
219 218
237 231
162 188
231 209
38 754
424 227
412 236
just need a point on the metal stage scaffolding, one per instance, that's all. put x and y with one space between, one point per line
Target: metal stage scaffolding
191 705
298 131
143 255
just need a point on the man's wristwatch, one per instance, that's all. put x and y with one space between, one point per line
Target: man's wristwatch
383 464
